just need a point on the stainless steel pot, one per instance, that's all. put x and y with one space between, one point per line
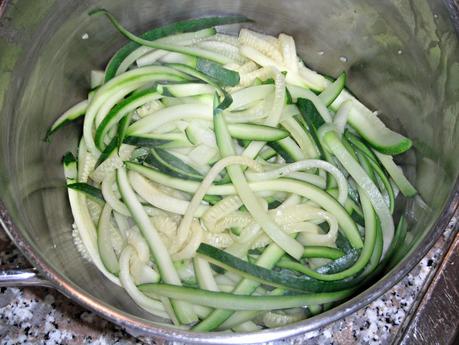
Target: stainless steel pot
402 58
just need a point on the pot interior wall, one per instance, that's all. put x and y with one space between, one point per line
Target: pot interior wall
401 58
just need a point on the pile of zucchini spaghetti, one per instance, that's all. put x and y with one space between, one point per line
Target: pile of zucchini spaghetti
225 185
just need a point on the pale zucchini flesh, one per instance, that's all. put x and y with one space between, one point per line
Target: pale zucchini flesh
219 179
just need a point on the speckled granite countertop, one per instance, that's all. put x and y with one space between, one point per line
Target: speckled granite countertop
43 316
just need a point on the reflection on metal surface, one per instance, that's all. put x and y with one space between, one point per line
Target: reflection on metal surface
21 277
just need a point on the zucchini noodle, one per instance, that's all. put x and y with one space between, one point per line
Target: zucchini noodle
222 240
86 162
194 240
234 220
249 77
276 112
257 41
223 48
247 67
221 209
287 44
152 306
161 200
184 227
151 57
218 171
107 191
342 116
304 165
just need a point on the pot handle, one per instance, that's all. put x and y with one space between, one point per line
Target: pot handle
19 277
15 275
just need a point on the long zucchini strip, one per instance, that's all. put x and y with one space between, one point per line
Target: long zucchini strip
340 264
322 252
396 173
167 30
185 224
332 91
182 111
367 124
313 282
75 112
85 226
303 165
371 225
242 316
166 268
315 194
164 45
122 109
363 180
241 302
246 286
224 162
104 242
116 89
150 304
371 128
248 198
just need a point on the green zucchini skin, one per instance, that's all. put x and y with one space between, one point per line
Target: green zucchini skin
153 108
86 188
281 279
287 149
187 50
332 92
184 26
313 120
241 302
157 140
342 263
322 252
122 129
246 131
71 115
171 165
108 150
120 111
221 75
182 310
225 97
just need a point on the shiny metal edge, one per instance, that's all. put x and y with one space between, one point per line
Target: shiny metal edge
20 277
